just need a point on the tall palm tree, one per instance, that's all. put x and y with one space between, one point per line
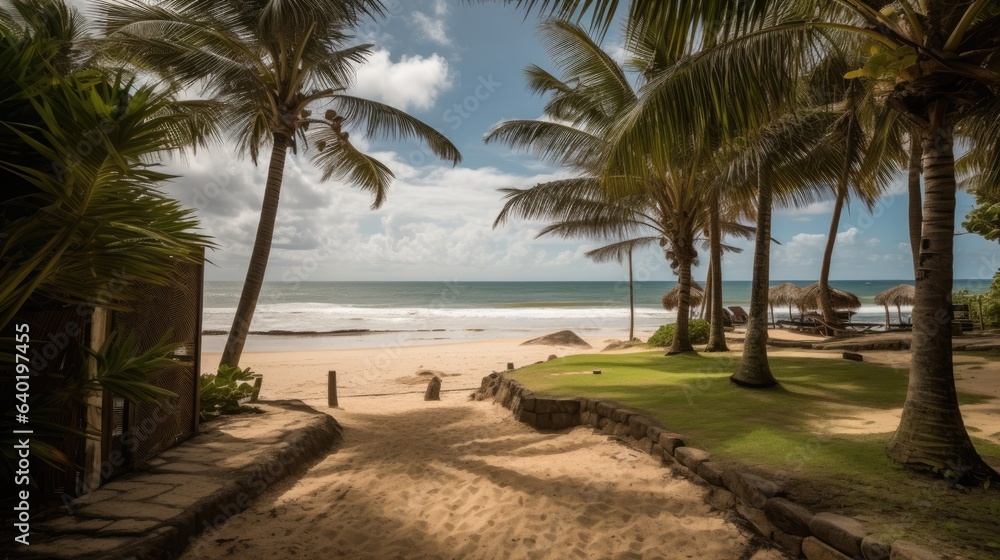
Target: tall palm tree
585 103
932 61
271 65
870 138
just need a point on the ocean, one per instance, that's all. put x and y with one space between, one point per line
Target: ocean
356 314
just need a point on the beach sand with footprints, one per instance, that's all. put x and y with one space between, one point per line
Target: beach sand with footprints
463 479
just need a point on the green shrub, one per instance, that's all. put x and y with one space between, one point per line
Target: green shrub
222 392
664 336
990 304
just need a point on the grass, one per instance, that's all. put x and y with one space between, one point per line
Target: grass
777 432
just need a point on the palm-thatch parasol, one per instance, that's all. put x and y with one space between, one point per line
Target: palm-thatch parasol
903 294
838 298
783 294
671 299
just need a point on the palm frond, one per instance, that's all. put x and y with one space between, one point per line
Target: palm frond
337 158
381 121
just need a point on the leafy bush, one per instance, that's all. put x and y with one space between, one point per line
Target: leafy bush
990 304
222 392
664 336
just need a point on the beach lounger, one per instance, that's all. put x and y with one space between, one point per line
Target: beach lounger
740 316
960 317
829 329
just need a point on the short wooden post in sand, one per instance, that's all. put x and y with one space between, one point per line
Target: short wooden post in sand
258 379
510 366
433 392
331 389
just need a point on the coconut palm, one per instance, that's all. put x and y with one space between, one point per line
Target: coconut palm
871 137
664 209
931 61
271 65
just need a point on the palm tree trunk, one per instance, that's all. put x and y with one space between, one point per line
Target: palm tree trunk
829 313
753 369
931 434
716 333
631 299
682 330
258 258
913 186
705 313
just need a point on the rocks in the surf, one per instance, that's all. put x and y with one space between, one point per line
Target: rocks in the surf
433 392
561 338
552 357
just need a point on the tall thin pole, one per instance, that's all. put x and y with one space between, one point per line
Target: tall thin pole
631 299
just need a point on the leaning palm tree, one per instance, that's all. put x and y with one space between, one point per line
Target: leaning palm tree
871 139
271 65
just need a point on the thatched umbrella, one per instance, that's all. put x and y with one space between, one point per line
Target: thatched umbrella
783 294
838 298
903 294
672 298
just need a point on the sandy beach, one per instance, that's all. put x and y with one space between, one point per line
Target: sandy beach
463 479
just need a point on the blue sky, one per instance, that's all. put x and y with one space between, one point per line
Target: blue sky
459 68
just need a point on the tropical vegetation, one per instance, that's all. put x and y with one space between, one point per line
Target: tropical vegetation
84 220
274 69
741 66
224 392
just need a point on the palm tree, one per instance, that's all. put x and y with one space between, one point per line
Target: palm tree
271 64
663 209
931 61
870 137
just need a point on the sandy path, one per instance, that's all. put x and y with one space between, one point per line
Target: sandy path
462 479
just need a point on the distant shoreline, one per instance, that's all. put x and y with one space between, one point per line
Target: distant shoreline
344 332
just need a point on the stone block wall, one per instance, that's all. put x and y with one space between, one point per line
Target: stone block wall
804 534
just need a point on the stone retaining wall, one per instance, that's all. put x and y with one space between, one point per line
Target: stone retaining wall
804 534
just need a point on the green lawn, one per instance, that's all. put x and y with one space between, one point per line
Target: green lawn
775 431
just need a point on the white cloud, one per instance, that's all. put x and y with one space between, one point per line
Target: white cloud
437 223
874 241
413 82
434 28
848 238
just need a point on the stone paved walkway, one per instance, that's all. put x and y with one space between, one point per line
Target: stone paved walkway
187 490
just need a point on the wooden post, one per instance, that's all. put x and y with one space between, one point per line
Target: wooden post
257 380
331 389
982 321
510 366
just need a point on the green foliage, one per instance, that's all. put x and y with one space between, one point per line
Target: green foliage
83 221
222 392
984 219
988 302
664 336
120 365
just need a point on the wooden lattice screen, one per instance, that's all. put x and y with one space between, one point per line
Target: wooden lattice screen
146 430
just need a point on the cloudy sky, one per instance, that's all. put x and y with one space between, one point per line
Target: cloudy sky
459 68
